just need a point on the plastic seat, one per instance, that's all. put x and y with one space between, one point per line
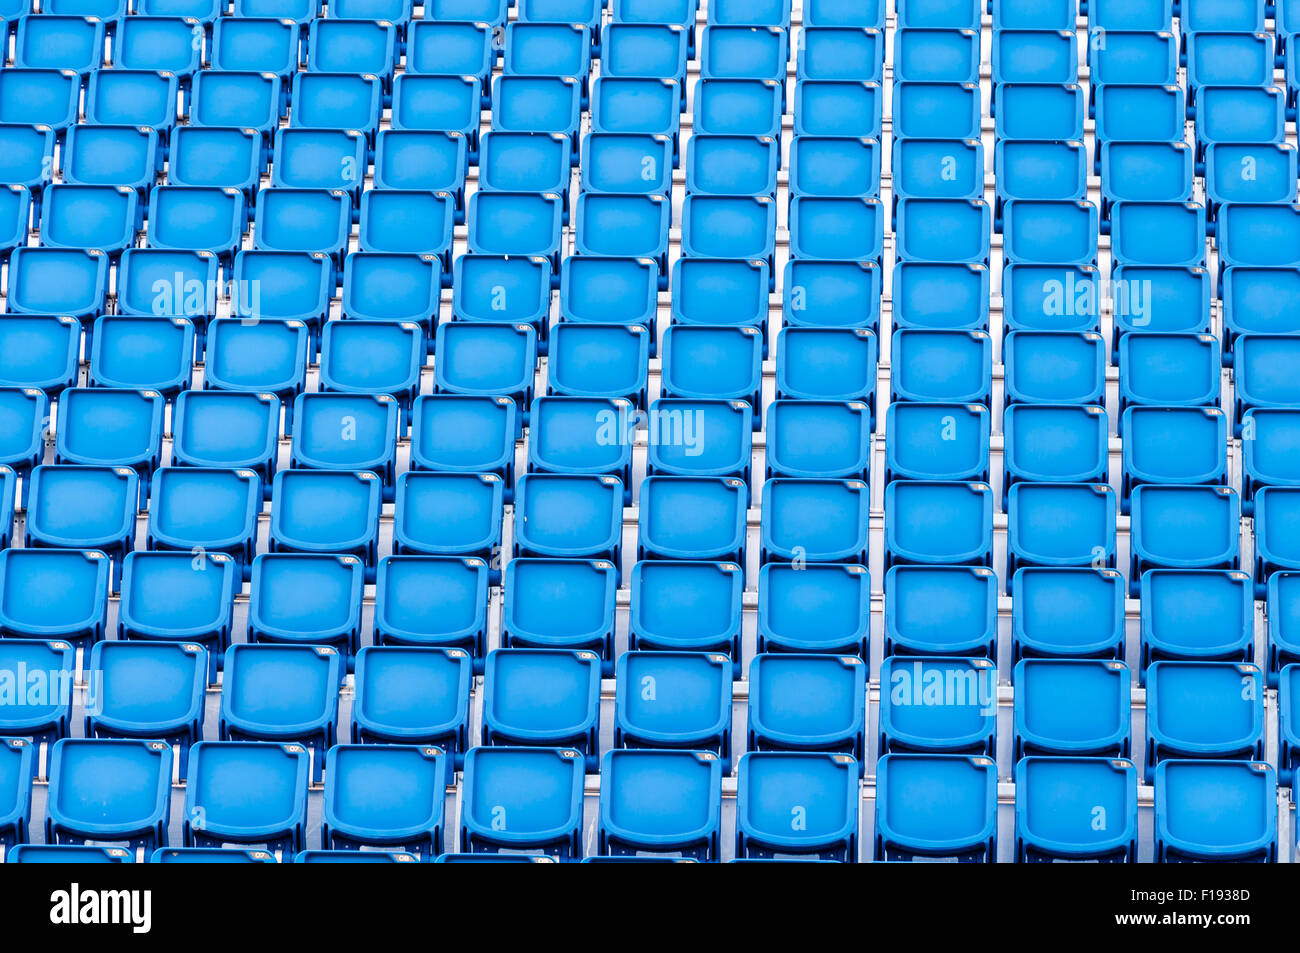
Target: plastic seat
584 435
542 697
1271 164
466 434
266 357
808 703
713 362
1286 722
26 149
541 48
538 104
840 51
844 108
721 292
1060 524
1057 805
1040 171
109 790
377 358
89 216
343 431
937 168
386 796
39 97
1183 527
501 288
24 420
1061 443
642 106
384 287
301 12
1050 231
925 111
68 854
336 101
727 226
365 46
1262 379
1042 297
819 439
938 523
830 166
633 163
1276 511
1258 235
676 431
199 219
1258 300
517 799
1072 707
1204 710
681 12
512 223
509 162
431 601
212 510
1160 298
304 599
111 155
937 442
1269 456
413 695
54 594
623 226
560 603
317 221
285 693
243 100
940 295
814 520
166 597
716 525
1055 367
205 156
447 514
940 610
599 360
1281 606
1133 57
226 429
451 48
845 13
766 13
56 42
1115 15
742 52
285 286
254 44
936 805
942 230
752 107
1227 58
35 712
813 608
1210 15
1067 613
1138 114
673 700
1191 823
319 159
1174 445
826 364
686 606
440 104
326 511
84 507
564 515
938 705
163 43
162 282
1158 233
1041 111
487 11
15 793
771 789
837 229
247 793
103 427
937 55
1169 369
485 359
659 802
1035 56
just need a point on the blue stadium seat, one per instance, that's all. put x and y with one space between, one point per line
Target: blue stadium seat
1200 16
691 518
938 523
41 97
487 11
510 223
244 792
24 422
723 291
845 13
89 216
1075 809
378 358
938 56
300 12
742 52
508 162
451 48
15 213
1035 56
815 520
1196 615
69 854
1072 707
1271 163
365 46
263 44
164 282
486 359
139 353
623 226
1060 524
765 13
938 704
676 438
802 803
661 802
937 168
840 52
560 603
172 596
839 228
1269 456
318 221
813 608
725 226
921 110
202 220
1054 443
465 434
74 43
1050 231
413 695
643 163
808 703
1227 58
84 507
599 360
1183 527
1277 509
582 435
826 364
385 796
940 610
286 693
1065 612
939 365
827 165
212 510
1204 710
1133 58
1039 171
714 362
691 606
36 711
28 159
285 286
319 159
1191 824
568 515
347 431
112 155
103 427
1037 111
325 511
1158 233
431 601
209 855
1041 297
149 691
1054 367
243 100
673 700
226 429
1287 741
937 442
262 357
1259 235
1032 15
15 791
1262 377
541 48
1176 299
109 790
608 290
543 697
163 43
538 104
936 805
306 599
337 101
383 287
367 856
522 799
753 107
438 103
1174 445
1169 370
1138 114
447 514
645 106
